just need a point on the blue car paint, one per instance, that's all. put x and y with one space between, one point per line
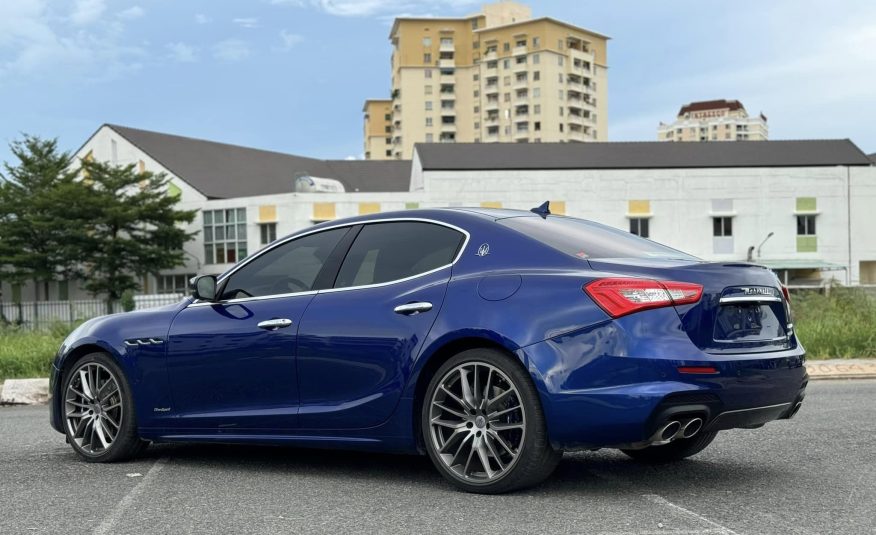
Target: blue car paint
357 365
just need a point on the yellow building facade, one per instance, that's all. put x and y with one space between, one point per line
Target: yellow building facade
496 76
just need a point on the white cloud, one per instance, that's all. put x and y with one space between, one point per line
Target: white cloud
200 18
246 22
182 52
37 44
231 50
368 8
289 39
131 13
87 11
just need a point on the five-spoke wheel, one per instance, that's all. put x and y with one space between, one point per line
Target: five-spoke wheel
483 425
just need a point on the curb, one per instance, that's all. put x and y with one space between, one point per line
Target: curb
841 369
25 392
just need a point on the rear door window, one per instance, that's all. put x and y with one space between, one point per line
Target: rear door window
385 252
586 239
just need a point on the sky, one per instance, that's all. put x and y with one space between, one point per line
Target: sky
291 75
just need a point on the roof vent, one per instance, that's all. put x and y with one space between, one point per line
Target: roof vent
312 184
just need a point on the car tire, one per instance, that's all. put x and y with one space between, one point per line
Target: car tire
676 450
499 423
98 411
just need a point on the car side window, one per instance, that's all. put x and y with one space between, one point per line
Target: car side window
288 268
384 252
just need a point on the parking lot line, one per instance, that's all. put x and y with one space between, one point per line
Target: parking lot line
659 500
109 523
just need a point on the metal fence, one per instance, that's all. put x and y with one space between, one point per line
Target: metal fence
38 314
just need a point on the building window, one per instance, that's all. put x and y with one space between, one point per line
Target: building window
427 73
427 41
174 284
268 232
639 226
722 226
224 235
536 109
536 42
427 89
536 58
63 291
427 58
536 76
428 105
806 225
506 47
506 63
560 61
447 41
430 138
536 92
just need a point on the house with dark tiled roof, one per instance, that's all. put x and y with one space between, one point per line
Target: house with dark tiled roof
802 207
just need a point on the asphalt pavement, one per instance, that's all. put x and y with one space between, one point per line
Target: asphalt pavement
814 474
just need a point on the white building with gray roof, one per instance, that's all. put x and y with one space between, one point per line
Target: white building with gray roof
805 208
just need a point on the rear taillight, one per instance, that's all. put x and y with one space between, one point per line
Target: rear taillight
787 295
621 296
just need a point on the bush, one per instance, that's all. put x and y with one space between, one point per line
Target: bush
839 324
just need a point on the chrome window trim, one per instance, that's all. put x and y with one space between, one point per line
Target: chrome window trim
287 239
750 299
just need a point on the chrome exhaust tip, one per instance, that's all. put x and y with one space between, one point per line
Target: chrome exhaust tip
692 428
668 431
795 409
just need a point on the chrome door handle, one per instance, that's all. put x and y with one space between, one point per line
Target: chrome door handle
413 308
274 324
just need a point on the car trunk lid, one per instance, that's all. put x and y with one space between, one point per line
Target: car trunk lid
742 308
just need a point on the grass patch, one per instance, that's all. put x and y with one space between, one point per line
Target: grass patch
839 325
25 354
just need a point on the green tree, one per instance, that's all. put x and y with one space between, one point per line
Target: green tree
40 212
133 228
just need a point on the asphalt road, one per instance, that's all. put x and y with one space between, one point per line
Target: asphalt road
815 474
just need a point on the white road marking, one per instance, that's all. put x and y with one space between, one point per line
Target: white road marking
659 500
110 521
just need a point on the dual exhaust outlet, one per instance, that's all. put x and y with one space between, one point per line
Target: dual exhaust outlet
675 429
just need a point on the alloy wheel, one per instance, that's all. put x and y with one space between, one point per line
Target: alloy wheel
93 408
477 422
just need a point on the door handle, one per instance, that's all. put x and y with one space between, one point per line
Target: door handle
410 309
274 324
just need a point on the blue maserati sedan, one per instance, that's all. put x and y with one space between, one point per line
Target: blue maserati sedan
491 340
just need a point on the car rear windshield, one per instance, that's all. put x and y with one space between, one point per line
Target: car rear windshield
586 239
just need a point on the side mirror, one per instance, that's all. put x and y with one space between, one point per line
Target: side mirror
204 287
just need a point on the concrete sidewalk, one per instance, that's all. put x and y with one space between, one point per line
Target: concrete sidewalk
841 369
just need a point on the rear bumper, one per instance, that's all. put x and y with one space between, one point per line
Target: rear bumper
597 390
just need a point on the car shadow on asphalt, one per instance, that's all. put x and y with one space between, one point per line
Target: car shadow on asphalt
605 472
